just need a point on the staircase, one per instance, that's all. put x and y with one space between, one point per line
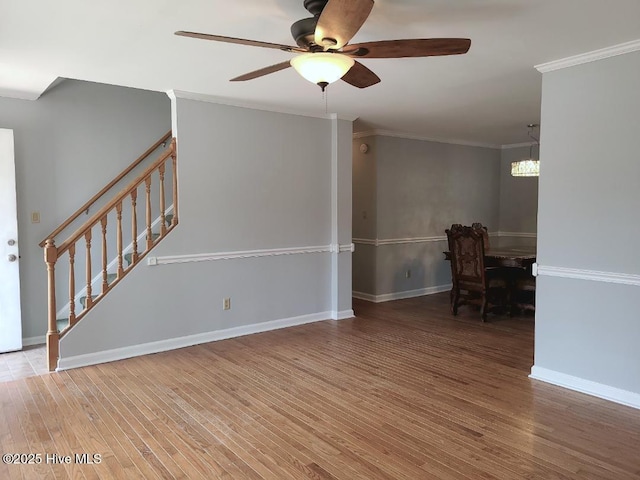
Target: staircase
114 260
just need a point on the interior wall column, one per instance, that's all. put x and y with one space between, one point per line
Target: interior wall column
341 216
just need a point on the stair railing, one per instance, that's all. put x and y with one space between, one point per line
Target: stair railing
114 209
106 188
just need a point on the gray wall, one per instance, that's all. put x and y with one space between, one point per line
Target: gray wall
69 144
421 188
588 220
248 180
518 200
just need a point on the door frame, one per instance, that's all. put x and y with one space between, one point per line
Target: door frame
10 311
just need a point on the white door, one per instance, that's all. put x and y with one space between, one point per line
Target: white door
10 317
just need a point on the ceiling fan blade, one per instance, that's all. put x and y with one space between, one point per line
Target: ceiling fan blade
240 41
263 71
418 47
340 20
360 76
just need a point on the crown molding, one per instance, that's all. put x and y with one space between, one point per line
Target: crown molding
411 136
20 94
518 145
232 102
589 57
368 133
387 133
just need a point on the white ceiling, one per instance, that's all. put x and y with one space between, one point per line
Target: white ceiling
487 96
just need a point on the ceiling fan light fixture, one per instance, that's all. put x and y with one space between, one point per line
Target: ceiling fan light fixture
322 68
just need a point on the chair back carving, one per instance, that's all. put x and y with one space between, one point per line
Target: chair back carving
485 233
466 246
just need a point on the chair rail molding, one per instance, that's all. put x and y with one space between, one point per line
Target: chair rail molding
592 275
376 242
270 252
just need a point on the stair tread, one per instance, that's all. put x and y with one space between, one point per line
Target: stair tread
129 256
83 300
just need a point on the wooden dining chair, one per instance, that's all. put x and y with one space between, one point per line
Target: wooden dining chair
485 233
472 282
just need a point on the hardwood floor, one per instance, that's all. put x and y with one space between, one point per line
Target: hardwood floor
404 391
28 362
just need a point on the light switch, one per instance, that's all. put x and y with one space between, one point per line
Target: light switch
35 217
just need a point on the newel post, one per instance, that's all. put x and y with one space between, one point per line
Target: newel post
53 336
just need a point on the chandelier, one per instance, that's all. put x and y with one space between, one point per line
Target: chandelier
528 167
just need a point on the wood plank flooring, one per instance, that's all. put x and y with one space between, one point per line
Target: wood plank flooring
28 362
403 391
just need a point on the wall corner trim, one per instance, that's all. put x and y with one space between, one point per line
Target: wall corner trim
606 392
593 56
76 361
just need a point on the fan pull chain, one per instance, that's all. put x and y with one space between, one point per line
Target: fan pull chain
325 95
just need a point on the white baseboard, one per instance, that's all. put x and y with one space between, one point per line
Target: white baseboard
613 394
342 315
364 296
401 295
181 342
29 341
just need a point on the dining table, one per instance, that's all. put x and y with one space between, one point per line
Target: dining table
507 256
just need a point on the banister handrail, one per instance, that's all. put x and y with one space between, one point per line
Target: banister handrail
96 217
105 189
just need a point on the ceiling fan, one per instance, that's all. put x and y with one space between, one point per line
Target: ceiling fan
325 52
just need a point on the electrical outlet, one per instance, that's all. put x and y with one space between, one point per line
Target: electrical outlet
408 274
226 303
